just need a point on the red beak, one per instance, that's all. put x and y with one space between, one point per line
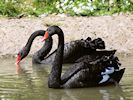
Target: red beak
46 35
18 59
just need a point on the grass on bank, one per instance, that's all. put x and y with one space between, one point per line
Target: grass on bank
15 8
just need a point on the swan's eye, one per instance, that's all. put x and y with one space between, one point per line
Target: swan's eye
51 31
19 54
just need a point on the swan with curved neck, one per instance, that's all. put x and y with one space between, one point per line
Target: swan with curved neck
82 74
39 55
72 50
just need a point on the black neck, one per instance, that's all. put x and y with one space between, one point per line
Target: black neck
55 76
45 49
32 37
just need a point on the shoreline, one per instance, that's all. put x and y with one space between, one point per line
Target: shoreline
116 31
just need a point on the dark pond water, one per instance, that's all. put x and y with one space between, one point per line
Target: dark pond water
30 83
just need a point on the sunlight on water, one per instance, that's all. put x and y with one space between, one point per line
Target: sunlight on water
30 83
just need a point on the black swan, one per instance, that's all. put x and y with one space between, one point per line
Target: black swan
103 71
72 50
38 56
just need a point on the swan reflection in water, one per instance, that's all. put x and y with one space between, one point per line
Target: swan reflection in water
93 93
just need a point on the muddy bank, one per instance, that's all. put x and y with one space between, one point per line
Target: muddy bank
116 31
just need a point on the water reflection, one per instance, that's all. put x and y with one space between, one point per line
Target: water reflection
41 73
100 93
30 83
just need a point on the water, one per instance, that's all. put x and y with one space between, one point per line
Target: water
30 83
